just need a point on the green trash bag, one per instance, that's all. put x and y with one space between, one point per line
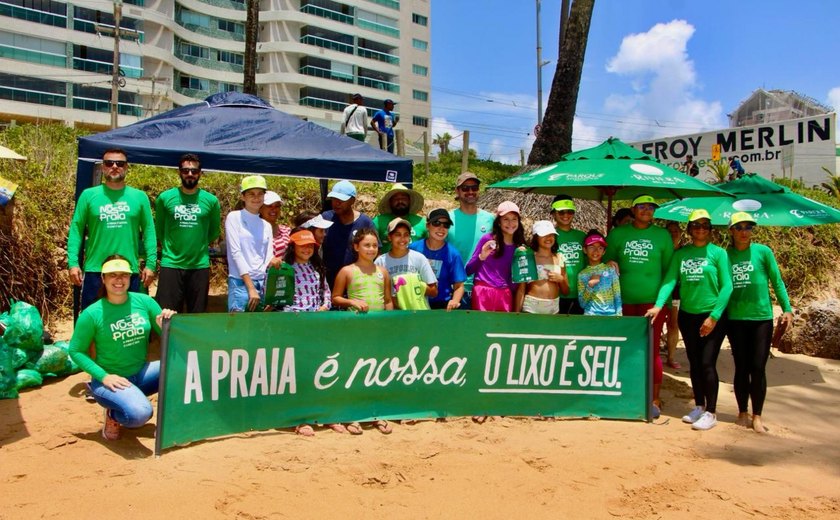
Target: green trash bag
52 361
25 329
19 358
8 380
69 366
27 378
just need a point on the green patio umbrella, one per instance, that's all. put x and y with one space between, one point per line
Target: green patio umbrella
612 170
769 203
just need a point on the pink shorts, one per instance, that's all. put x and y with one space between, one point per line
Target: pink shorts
488 298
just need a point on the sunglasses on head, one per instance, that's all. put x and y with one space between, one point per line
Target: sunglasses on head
194 171
744 227
468 187
109 163
700 225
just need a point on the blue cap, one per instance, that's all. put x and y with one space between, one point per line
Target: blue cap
342 190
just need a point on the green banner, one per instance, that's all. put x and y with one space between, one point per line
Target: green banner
228 373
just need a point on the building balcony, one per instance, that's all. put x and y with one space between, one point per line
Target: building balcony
379 56
378 84
210 64
226 4
378 27
393 4
97 105
103 67
319 72
32 96
213 33
327 13
32 15
327 44
314 102
40 57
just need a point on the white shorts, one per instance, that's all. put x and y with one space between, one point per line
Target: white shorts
534 305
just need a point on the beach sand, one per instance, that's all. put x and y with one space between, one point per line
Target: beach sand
55 464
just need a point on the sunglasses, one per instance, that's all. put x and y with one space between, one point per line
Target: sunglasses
469 187
647 206
194 171
439 223
108 163
695 225
744 227
564 212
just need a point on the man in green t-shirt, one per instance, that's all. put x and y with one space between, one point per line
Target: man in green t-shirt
110 218
187 220
469 224
570 245
642 253
404 203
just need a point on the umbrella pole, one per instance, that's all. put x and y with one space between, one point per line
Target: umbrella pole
609 212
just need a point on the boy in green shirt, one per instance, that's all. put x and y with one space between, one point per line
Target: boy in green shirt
570 245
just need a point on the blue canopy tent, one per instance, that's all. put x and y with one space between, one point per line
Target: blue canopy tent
240 133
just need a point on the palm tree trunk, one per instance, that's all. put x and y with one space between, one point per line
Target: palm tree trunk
555 137
252 34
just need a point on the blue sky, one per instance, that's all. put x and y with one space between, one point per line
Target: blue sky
652 68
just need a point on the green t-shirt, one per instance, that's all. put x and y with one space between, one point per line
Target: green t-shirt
467 229
705 280
114 220
643 256
570 244
186 225
752 270
120 333
380 222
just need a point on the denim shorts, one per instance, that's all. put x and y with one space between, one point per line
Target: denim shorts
238 293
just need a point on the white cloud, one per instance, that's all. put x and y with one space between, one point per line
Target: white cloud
834 98
664 86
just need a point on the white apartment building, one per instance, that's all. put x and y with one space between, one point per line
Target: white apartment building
56 58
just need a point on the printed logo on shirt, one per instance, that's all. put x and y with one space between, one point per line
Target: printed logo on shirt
638 251
741 274
571 251
115 214
437 265
129 330
186 214
692 268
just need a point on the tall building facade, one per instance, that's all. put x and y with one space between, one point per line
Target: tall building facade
56 57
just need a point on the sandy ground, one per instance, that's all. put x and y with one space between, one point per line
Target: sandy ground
54 463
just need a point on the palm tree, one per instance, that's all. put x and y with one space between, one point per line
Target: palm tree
443 142
252 34
832 186
719 170
555 137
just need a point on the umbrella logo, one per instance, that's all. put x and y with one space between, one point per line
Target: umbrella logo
805 213
748 205
646 169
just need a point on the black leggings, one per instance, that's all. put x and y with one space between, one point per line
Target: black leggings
702 355
750 342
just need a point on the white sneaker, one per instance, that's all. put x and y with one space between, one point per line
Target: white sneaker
707 421
693 415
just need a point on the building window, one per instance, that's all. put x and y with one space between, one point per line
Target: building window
196 51
420 95
419 44
231 57
419 19
420 70
420 121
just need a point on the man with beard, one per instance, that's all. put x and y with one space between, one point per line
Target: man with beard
113 215
404 203
469 224
187 220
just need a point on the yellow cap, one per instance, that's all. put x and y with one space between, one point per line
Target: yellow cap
564 204
644 199
253 181
116 265
698 214
741 216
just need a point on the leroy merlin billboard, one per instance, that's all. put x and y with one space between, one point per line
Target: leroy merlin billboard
228 373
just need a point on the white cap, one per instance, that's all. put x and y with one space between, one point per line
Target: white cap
317 222
543 228
271 198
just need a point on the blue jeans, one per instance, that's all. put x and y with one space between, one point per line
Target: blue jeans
238 293
130 406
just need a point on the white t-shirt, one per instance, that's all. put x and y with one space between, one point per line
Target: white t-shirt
249 244
413 262
357 123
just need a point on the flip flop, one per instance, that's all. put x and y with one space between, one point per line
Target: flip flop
354 428
479 419
674 364
337 428
383 427
304 430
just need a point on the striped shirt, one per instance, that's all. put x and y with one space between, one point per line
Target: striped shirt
369 288
281 240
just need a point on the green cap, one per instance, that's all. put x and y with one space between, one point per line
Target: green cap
645 199
698 214
253 181
741 216
562 205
